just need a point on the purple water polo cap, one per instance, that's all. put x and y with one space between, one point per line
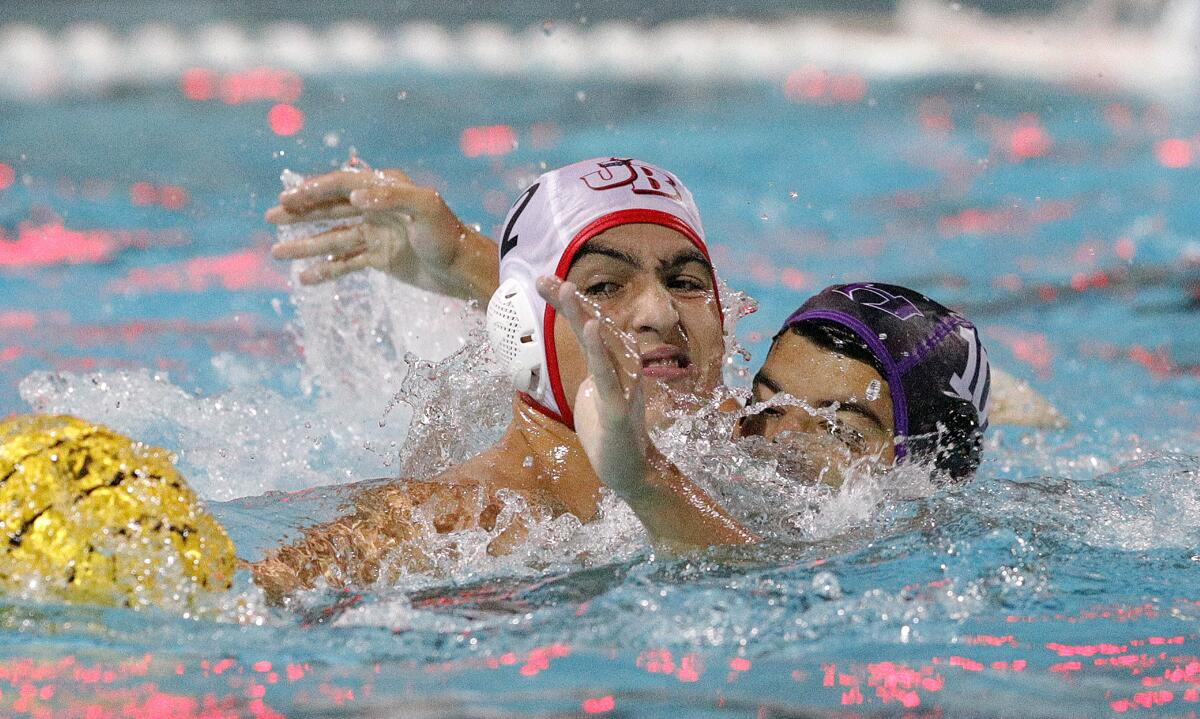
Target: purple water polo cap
933 360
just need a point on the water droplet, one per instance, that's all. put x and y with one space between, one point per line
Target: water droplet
581 96
826 585
402 95
332 139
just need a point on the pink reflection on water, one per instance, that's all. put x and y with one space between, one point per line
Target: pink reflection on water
489 140
285 119
245 270
171 197
112 690
888 682
599 705
1174 153
52 244
996 220
17 320
234 88
1032 348
821 87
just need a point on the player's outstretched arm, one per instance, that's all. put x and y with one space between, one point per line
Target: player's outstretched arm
388 533
406 230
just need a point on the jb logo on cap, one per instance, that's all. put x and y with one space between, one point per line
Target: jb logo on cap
639 178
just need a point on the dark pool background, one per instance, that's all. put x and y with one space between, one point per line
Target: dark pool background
1062 218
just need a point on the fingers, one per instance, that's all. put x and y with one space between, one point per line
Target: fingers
278 215
406 198
611 360
547 287
566 300
340 241
396 175
334 187
348 193
333 269
601 364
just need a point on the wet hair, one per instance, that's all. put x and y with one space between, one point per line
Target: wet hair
935 366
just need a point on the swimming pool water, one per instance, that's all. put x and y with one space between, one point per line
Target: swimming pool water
1061 582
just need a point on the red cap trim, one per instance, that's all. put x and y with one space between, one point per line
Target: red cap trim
529 400
593 228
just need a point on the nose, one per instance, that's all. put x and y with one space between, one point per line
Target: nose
654 311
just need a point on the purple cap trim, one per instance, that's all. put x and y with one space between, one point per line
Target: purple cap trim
894 373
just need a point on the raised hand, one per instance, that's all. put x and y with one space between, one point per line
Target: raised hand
610 419
392 225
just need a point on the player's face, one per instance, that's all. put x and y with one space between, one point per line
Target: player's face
852 403
655 285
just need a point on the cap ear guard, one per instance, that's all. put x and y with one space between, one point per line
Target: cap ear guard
516 338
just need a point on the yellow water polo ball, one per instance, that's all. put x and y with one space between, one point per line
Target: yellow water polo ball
89 515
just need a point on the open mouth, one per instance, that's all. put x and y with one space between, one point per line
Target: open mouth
666 363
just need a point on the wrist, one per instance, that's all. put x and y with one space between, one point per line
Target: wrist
476 265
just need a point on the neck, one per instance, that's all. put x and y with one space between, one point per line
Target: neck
560 466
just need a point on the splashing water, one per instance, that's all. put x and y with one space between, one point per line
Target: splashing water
773 486
366 331
357 335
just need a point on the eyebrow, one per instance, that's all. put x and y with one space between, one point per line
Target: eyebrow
595 248
859 409
851 406
680 258
684 257
767 381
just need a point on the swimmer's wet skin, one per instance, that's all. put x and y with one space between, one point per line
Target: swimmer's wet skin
902 377
629 235
89 515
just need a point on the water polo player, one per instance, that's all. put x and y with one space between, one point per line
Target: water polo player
902 378
887 372
629 236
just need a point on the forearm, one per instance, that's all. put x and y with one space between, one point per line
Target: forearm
675 510
477 267
349 551
474 274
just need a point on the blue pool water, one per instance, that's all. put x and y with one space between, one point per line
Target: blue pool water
1061 582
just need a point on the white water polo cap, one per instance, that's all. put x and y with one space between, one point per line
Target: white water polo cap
544 230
